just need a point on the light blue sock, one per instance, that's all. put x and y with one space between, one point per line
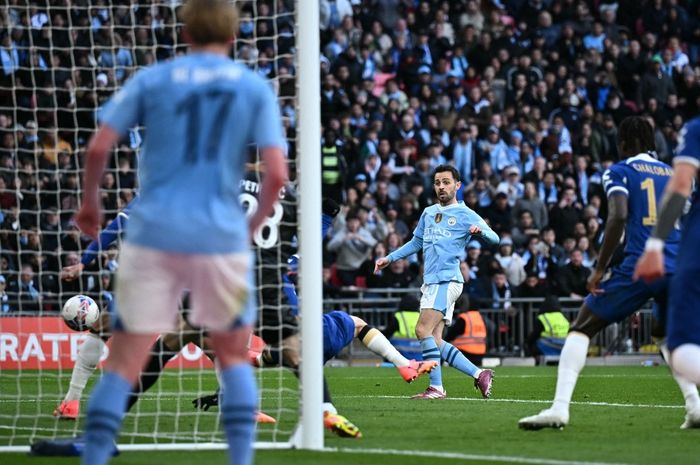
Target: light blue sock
238 407
431 352
104 417
456 359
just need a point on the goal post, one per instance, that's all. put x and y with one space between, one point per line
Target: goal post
62 63
310 215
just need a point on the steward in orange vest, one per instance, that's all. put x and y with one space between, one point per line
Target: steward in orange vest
468 333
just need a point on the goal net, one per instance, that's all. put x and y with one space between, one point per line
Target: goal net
60 62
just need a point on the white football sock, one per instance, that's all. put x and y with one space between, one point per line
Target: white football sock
685 361
689 390
571 362
85 364
375 341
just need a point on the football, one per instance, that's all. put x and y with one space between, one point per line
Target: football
80 312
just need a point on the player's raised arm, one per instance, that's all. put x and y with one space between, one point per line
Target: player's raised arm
480 228
409 248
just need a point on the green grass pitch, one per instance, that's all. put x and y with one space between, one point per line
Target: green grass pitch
620 415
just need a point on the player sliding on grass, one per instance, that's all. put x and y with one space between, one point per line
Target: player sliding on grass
442 233
634 187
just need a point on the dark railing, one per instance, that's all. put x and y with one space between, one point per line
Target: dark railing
507 330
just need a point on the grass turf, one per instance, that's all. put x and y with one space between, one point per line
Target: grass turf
621 415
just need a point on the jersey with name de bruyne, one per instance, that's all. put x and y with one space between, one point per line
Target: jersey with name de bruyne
201 112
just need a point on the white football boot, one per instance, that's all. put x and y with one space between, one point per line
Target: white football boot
549 418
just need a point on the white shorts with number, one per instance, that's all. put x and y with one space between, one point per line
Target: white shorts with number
441 297
150 284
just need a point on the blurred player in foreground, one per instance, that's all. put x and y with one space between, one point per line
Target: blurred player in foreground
683 326
201 112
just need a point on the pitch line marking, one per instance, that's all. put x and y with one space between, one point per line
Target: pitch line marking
479 457
529 401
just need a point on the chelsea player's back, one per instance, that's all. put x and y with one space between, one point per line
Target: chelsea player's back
642 179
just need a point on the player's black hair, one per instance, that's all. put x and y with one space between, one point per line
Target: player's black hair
635 135
445 167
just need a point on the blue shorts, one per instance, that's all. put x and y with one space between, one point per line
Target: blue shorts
624 296
683 325
338 332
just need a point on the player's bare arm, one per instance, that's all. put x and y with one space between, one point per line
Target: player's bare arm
651 264
614 228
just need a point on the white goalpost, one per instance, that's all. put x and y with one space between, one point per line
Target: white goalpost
60 62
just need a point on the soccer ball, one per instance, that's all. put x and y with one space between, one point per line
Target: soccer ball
80 313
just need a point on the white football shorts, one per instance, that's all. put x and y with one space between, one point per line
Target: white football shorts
441 297
150 284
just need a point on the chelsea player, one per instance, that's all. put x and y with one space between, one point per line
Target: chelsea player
683 317
201 111
634 187
442 233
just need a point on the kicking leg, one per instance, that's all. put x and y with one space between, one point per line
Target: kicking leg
571 362
375 341
85 364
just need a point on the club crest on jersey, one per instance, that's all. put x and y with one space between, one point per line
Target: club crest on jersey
452 221
438 217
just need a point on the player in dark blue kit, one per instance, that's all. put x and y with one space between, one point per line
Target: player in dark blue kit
684 294
633 187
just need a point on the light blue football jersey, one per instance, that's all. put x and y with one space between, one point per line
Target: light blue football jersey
201 112
443 233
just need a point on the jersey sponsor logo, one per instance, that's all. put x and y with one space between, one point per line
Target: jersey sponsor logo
438 217
433 234
452 221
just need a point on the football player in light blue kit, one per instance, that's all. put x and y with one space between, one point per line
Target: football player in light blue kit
442 233
683 326
188 230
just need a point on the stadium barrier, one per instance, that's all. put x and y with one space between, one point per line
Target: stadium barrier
507 331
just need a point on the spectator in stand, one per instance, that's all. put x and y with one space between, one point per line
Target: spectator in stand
564 216
532 203
532 287
24 293
524 230
573 277
352 244
511 263
499 214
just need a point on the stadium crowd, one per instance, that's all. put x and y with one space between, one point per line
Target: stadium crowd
522 96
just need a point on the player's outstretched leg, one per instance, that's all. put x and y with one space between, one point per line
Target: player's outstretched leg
108 399
375 341
483 379
689 390
85 365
